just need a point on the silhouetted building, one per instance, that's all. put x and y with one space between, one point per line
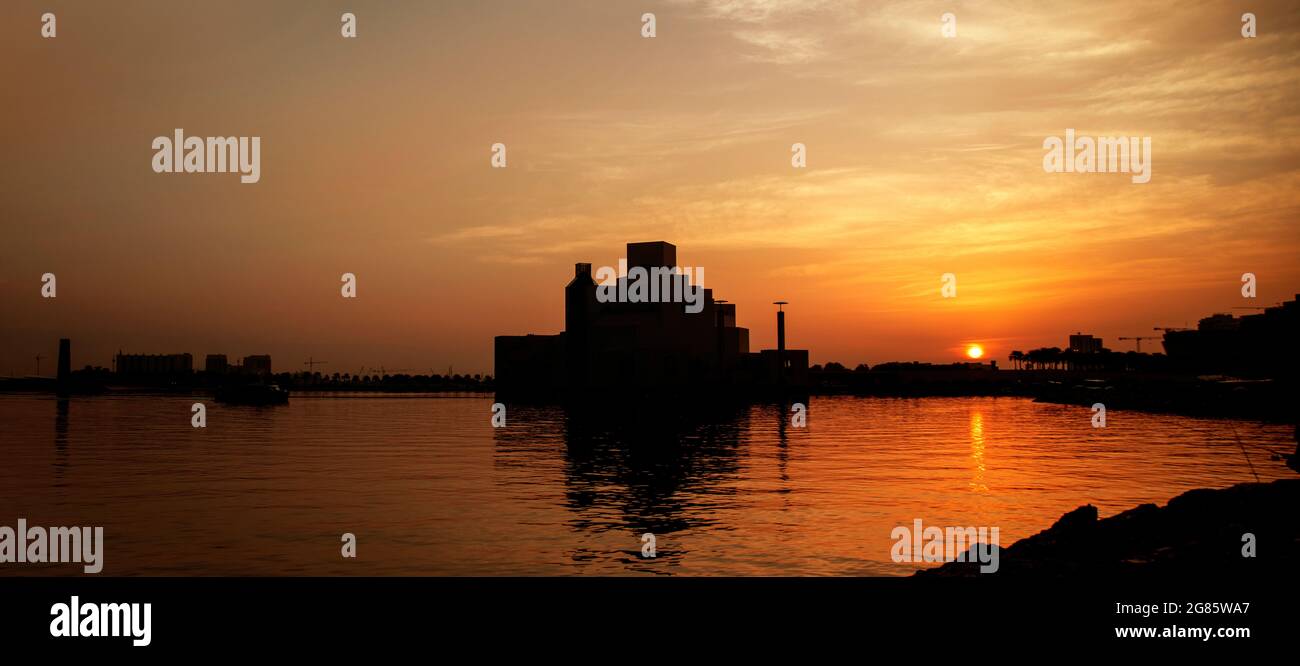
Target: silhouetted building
154 365
1219 322
660 344
1085 344
258 364
216 364
65 360
1259 344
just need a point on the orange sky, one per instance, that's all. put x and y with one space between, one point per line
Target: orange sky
924 158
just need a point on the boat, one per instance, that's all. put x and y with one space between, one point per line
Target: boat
253 394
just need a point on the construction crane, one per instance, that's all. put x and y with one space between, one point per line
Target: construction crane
311 364
1139 339
1166 329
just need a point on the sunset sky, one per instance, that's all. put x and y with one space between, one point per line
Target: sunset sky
924 158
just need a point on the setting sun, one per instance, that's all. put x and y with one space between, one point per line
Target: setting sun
975 351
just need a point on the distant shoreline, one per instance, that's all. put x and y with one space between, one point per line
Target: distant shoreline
1264 399
208 391
1260 402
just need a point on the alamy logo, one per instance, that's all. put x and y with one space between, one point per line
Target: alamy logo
213 154
93 620
39 545
1103 154
659 284
952 544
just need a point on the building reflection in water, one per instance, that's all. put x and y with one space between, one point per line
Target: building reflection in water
651 472
61 434
784 413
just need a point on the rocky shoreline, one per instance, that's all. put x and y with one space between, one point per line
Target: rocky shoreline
1201 532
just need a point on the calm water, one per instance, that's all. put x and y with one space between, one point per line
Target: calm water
429 487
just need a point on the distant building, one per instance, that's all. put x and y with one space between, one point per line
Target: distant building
154 365
216 364
608 346
65 360
1219 322
1085 344
258 365
1258 345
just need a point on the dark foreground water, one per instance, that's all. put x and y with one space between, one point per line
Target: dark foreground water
430 488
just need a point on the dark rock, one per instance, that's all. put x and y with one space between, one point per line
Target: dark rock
1198 531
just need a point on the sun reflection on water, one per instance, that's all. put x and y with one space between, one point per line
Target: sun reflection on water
977 452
